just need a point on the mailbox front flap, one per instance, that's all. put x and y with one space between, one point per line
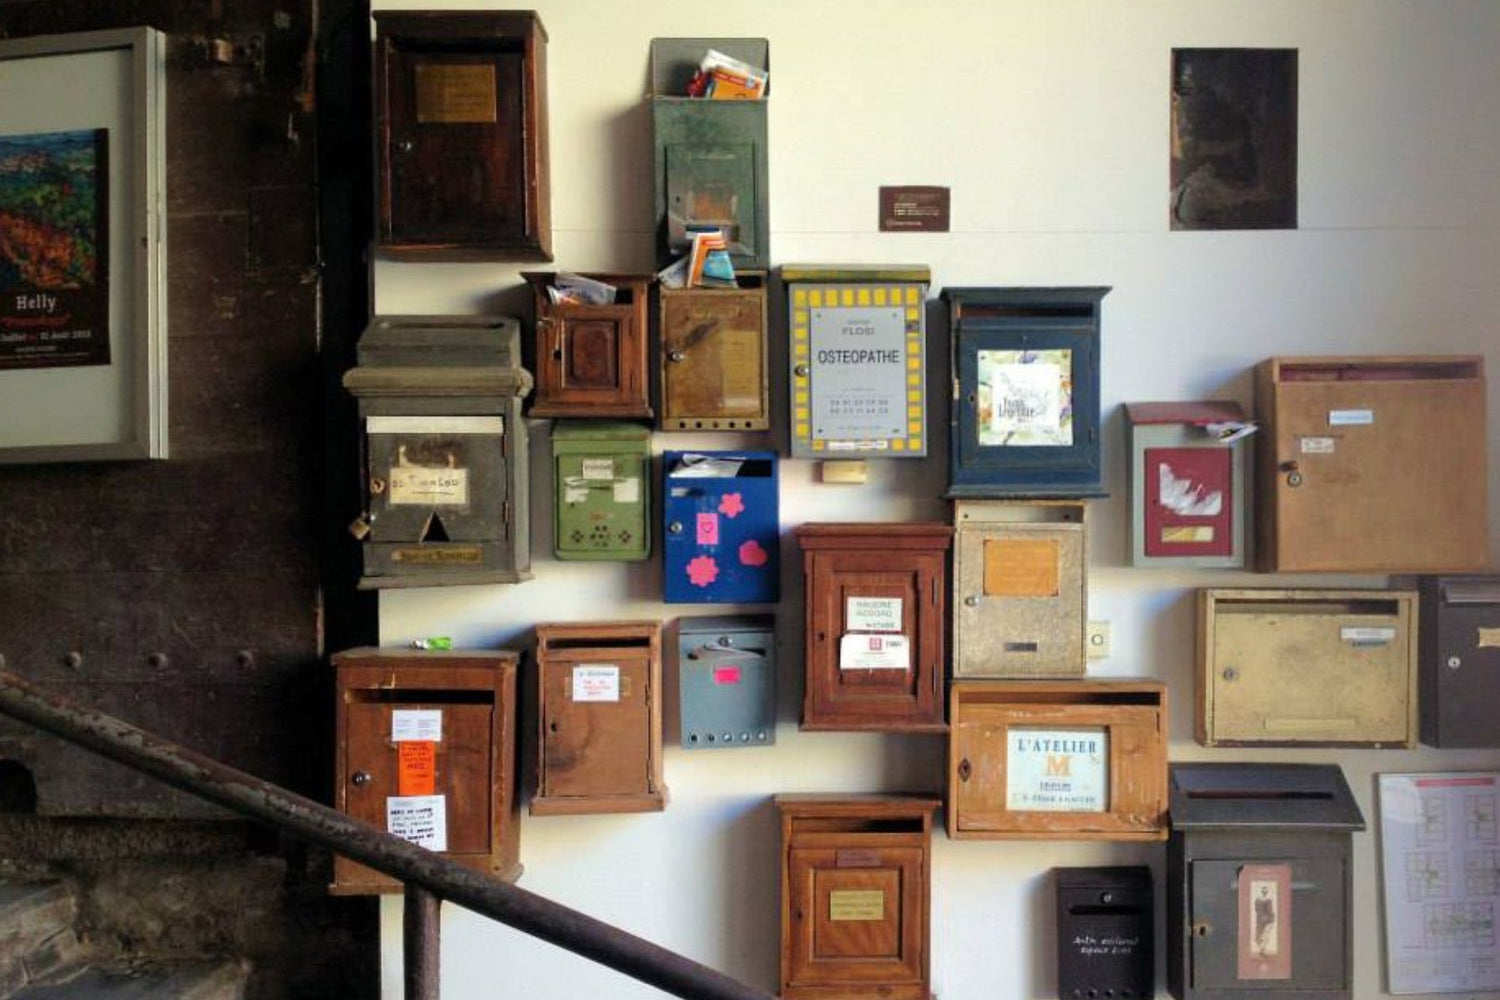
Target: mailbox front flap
1237 796
722 540
436 478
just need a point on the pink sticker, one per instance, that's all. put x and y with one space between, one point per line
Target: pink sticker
708 529
731 505
726 675
702 570
751 554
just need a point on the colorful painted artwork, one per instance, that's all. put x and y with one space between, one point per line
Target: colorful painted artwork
1026 398
54 240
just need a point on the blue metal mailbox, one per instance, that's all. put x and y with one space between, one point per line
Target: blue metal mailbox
722 538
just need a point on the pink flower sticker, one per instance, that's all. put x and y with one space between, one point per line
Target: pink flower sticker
751 554
731 505
702 570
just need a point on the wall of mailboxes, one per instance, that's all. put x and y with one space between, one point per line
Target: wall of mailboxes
975 628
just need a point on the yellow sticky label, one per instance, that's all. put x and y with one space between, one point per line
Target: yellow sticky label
1187 534
1489 637
856 904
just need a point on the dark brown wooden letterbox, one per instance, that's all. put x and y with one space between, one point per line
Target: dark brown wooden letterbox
713 357
1459 671
1105 941
1259 896
856 879
427 750
591 359
876 595
461 135
599 691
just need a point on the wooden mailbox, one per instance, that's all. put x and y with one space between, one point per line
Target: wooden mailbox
426 749
856 881
1460 661
591 359
1372 464
1055 760
599 711
1020 602
1318 667
713 357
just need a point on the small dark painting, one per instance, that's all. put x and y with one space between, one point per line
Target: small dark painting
1234 139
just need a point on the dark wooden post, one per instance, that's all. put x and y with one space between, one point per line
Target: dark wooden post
421 928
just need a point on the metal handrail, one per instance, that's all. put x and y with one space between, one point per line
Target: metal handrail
417 867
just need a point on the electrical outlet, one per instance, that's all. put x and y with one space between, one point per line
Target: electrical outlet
1096 640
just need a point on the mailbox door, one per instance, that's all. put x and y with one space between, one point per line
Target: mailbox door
857 919
436 478
602 503
1189 506
596 725
1460 674
713 346
728 694
1019 600
711 174
722 540
589 356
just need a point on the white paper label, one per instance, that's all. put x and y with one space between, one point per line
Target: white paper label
1050 770
417 486
1350 418
421 819
425 724
872 614
874 652
1317 445
598 468
575 494
628 491
1367 636
596 682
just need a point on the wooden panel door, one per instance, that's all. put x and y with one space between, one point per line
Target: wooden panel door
713 358
596 726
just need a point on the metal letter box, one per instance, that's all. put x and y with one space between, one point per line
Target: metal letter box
1307 667
1372 464
1020 588
710 154
591 359
876 603
1105 940
1460 661
856 883
1057 760
1188 470
1259 898
858 360
446 470
723 530
599 712
726 674
427 750
713 357
602 479
1025 412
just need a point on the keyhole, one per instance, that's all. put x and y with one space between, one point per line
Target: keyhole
552 726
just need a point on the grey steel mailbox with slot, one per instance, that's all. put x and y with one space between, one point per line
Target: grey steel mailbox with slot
1259 900
1105 945
726 672
1459 661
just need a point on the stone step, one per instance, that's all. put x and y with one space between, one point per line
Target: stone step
36 933
208 980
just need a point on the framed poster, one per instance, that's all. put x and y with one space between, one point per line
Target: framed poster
82 247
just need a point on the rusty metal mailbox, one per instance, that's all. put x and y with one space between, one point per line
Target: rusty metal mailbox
1105 940
1459 676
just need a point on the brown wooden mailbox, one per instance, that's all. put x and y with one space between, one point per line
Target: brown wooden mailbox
1299 667
426 750
1053 760
875 622
599 691
856 876
713 357
591 359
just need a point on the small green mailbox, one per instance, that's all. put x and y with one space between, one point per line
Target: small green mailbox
602 484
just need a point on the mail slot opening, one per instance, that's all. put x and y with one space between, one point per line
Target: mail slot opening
1380 372
601 643
397 696
1285 609
1472 592
854 824
466 324
1053 696
1031 311
1021 647
1258 794
1099 910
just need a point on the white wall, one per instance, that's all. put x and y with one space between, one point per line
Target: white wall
1049 122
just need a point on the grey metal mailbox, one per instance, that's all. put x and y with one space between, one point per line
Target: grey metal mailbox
1105 946
1459 661
1259 902
727 679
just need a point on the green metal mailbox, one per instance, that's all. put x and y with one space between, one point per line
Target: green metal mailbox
602 487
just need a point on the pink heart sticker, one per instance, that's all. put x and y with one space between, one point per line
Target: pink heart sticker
751 554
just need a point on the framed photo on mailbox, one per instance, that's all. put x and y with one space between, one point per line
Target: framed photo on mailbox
83 349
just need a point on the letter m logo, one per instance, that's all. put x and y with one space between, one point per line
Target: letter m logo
1058 765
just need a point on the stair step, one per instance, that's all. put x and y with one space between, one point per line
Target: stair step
222 980
36 932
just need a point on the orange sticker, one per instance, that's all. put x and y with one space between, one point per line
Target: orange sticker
416 767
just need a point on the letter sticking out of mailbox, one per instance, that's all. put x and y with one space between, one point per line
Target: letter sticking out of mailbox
722 541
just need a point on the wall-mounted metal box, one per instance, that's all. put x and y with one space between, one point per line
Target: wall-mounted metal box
591 359
1460 661
1307 667
856 884
713 357
426 750
602 483
446 474
1189 471
461 135
1105 933
1372 464
1020 571
1054 760
722 543
599 712
1025 409
726 675
876 597
1259 899
858 360
710 154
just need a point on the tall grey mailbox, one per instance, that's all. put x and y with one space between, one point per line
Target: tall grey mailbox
1459 646
726 669
1259 905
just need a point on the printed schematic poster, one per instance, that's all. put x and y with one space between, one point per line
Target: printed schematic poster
54 239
